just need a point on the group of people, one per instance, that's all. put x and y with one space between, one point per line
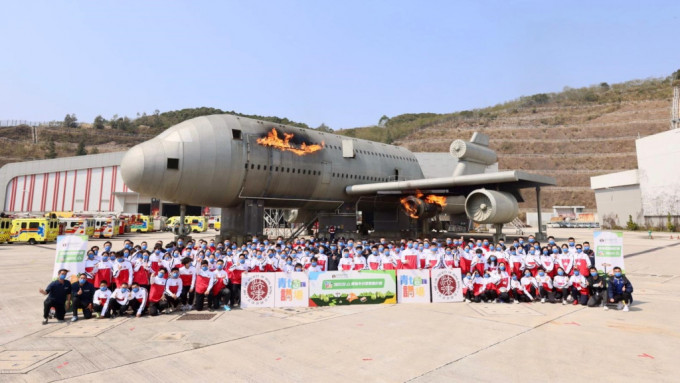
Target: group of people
193 275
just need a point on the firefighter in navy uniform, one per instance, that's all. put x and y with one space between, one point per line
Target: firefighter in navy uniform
58 292
82 294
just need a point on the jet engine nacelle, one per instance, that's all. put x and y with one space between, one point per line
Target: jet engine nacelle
489 206
297 215
416 207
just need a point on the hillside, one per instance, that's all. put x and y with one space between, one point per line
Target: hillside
570 135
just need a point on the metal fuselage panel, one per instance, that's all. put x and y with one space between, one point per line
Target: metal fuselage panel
221 164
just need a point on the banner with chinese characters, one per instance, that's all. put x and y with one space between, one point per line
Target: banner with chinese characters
71 250
413 286
292 290
447 285
608 250
257 290
352 287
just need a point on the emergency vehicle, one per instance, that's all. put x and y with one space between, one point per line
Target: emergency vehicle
78 226
105 227
34 230
5 226
141 224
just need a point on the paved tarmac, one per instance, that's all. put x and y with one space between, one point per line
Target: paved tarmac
381 343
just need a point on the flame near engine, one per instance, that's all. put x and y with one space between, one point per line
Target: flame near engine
419 207
273 140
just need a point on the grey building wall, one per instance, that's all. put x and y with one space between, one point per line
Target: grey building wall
615 204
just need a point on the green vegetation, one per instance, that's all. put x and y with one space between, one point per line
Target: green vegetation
630 225
80 150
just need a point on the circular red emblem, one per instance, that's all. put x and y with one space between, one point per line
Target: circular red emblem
258 289
446 285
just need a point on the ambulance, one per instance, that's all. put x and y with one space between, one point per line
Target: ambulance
105 227
141 224
198 224
78 226
5 226
33 230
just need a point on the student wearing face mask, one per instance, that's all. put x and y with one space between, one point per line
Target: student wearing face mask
547 262
565 259
359 261
589 253
314 265
220 290
516 262
138 299
118 302
545 286
188 275
322 258
450 259
289 265
503 280
478 262
491 264
58 293
101 296
517 291
532 261
529 286
346 262
91 266
561 284
82 294
299 268
205 280
409 257
478 286
596 288
104 270
619 290
468 287
237 270
579 288
334 258
122 271
173 289
581 260
490 293
141 269
373 260
156 291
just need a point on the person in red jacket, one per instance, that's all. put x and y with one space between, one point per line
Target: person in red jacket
205 279
220 291
237 270
188 275
103 271
156 290
122 271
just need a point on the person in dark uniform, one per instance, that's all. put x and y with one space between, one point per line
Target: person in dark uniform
58 292
333 257
82 294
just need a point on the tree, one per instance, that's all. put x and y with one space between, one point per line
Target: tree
94 150
383 121
669 223
99 122
630 225
324 128
70 121
51 150
81 151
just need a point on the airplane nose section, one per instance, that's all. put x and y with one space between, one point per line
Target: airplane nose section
132 168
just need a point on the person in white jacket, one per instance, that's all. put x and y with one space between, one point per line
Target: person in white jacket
138 299
100 298
561 285
117 304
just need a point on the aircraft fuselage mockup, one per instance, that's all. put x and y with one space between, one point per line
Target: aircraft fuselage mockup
225 160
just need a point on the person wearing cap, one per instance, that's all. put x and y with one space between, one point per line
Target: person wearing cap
82 294
58 293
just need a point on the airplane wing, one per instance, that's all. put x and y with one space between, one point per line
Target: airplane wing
508 181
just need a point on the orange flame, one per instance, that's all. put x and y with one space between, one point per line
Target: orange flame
436 199
272 139
409 209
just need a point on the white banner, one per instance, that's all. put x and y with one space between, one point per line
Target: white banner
413 286
447 285
292 290
257 290
71 250
608 250
333 288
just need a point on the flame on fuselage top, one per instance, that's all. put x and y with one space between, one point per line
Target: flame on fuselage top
273 140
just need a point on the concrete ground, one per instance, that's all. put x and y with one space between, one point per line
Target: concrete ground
382 343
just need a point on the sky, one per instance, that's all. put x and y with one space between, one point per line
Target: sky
342 63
